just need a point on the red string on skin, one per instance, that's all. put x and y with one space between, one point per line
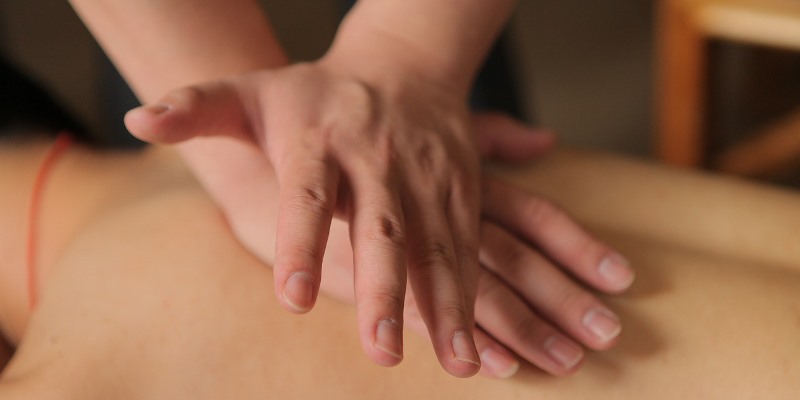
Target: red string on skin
59 147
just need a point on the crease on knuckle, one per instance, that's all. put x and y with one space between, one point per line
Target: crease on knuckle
435 254
303 258
527 329
541 212
390 231
568 297
450 311
424 157
311 200
507 255
388 297
489 287
464 195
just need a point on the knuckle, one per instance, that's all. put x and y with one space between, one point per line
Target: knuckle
511 258
389 297
507 254
430 155
452 312
435 254
358 93
300 258
540 212
587 254
571 298
311 199
489 287
355 110
463 181
385 150
389 230
424 157
526 329
464 192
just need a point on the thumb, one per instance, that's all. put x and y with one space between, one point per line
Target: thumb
501 137
219 108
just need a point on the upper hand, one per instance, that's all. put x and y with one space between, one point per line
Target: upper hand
394 158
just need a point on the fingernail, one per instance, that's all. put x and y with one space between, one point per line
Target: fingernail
298 291
602 323
389 339
499 364
563 351
616 270
464 350
157 108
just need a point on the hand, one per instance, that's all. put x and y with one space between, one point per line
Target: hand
500 137
528 299
394 158
532 253
529 303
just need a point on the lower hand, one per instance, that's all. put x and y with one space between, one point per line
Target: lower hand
529 303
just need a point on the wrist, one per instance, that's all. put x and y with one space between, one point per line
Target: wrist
442 42
380 56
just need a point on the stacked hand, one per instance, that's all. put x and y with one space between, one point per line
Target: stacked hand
395 159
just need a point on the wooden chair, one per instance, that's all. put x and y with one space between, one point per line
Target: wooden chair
684 29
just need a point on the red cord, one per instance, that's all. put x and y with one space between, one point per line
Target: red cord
60 146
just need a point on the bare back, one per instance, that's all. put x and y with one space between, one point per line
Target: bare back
156 300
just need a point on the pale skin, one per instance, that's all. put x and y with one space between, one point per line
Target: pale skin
133 305
514 301
386 145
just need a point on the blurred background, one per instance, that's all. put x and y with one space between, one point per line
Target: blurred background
592 70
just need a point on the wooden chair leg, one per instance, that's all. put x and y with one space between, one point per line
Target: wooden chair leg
680 87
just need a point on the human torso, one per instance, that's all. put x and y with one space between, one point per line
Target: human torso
81 185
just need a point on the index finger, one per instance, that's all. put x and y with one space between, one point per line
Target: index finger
306 206
540 222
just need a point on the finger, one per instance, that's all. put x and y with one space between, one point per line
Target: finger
306 204
213 109
509 320
464 222
438 290
502 137
538 221
378 237
496 360
547 290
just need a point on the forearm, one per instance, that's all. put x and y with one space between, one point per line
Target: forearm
444 40
159 45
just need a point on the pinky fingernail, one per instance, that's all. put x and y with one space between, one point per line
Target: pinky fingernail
562 351
499 364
